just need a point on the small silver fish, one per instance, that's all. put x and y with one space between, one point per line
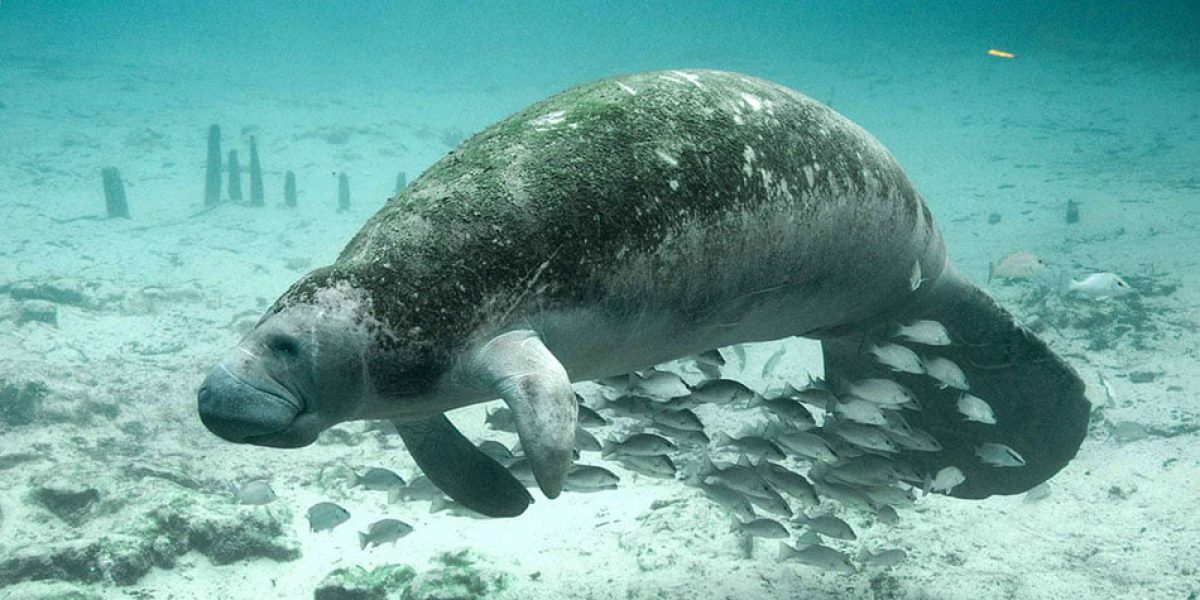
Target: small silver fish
945 479
761 527
816 555
880 391
379 479
946 372
807 444
916 439
827 525
586 442
497 451
860 411
722 391
926 332
730 499
1098 286
711 357
975 409
383 531
753 446
254 493
501 419
897 358
588 417
639 444
661 384
863 436
523 471
683 419
771 502
589 478
787 409
887 515
866 470
324 516
773 362
883 558
1041 492
659 466
789 482
999 455
850 496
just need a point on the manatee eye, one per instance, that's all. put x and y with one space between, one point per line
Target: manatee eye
284 345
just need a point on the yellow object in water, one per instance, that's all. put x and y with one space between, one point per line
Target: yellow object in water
1001 53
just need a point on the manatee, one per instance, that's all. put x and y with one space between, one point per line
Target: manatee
618 225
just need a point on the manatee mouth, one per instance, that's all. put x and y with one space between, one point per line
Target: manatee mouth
239 411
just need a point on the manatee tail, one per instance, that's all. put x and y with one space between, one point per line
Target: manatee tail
1037 398
462 470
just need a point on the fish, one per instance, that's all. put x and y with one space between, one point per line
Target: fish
816 555
760 527
688 436
916 439
683 419
887 515
588 417
773 362
945 480
1016 265
324 516
789 482
1040 492
379 479
791 411
632 405
946 372
827 525
711 357
890 495
753 446
771 502
725 497
586 442
883 558
722 391
497 452
863 436
617 384
880 391
850 496
866 470
589 478
816 393
500 419
897 358
254 493
383 531
999 455
860 411
638 444
975 409
741 477
523 471
661 384
660 465
925 332
1098 286
806 444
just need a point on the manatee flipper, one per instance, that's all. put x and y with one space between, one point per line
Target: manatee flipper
1038 399
461 470
524 373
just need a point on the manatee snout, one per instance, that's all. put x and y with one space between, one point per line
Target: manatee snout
241 412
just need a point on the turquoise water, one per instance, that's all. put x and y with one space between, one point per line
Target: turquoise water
1076 142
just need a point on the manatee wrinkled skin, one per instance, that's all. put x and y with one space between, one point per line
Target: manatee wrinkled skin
614 226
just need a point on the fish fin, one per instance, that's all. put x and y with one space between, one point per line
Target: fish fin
460 469
1038 399
363 540
395 494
